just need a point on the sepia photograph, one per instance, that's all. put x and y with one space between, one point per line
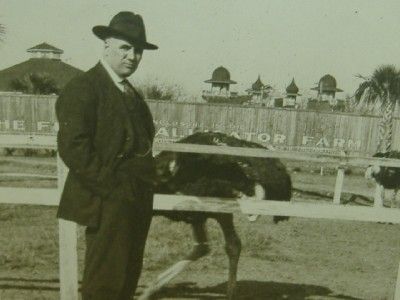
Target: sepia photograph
199 149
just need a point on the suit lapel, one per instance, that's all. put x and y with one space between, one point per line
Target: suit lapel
112 93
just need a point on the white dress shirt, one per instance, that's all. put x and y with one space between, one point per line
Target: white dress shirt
114 77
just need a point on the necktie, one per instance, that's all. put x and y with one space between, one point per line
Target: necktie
128 89
142 145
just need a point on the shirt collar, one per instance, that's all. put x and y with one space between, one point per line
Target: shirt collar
114 77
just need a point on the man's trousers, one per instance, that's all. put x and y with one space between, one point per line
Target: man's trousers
114 250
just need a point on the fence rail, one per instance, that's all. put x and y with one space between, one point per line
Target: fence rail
67 230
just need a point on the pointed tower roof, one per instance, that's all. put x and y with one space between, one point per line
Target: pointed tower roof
292 89
257 85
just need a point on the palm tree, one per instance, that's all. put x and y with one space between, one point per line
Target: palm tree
2 31
35 83
382 87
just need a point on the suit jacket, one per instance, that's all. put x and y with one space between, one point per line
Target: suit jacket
97 132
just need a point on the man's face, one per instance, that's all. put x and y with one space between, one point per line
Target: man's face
122 57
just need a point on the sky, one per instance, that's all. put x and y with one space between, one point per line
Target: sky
276 39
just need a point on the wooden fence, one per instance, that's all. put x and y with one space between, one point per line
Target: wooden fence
68 230
286 129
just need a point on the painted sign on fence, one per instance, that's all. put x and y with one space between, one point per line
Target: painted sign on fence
281 128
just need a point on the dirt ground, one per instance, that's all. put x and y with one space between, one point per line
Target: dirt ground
297 259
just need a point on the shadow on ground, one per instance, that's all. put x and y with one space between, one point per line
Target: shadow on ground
251 290
247 290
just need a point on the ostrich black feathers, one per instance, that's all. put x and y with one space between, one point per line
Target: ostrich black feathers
220 176
388 177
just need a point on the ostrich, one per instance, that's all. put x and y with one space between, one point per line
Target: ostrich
219 176
388 177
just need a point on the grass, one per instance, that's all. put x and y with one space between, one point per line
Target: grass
298 259
349 258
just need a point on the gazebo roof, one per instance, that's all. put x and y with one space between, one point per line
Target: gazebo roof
221 75
327 83
44 47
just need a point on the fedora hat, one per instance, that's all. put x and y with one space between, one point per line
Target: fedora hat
128 26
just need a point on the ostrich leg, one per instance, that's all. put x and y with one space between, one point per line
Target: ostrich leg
200 249
233 247
393 202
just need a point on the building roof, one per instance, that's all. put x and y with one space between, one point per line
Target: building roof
257 85
44 47
327 83
221 75
61 72
292 89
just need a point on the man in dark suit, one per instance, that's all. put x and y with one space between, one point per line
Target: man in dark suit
105 138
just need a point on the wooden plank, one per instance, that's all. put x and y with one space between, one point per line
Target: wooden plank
270 207
397 286
321 211
249 206
68 255
379 195
194 203
34 141
293 155
30 175
68 246
29 196
338 185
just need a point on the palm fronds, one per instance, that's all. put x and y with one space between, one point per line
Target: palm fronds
2 31
382 86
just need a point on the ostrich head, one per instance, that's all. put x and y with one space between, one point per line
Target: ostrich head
166 165
372 171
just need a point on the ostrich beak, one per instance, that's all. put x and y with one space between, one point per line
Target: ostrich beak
371 171
370 184
173 167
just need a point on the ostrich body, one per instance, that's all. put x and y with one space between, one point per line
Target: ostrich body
388 177
219 176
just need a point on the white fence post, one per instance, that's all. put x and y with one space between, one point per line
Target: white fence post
378 198
397 288
338 185
67 247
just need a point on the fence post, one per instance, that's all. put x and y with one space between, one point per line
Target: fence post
397 288
338 185
378 198
68 255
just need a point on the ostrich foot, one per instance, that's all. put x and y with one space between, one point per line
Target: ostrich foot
198 251
164 278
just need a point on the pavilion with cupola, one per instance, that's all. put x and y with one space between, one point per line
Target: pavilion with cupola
259 91
292 91
45 60
219 91
220 82
326 95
